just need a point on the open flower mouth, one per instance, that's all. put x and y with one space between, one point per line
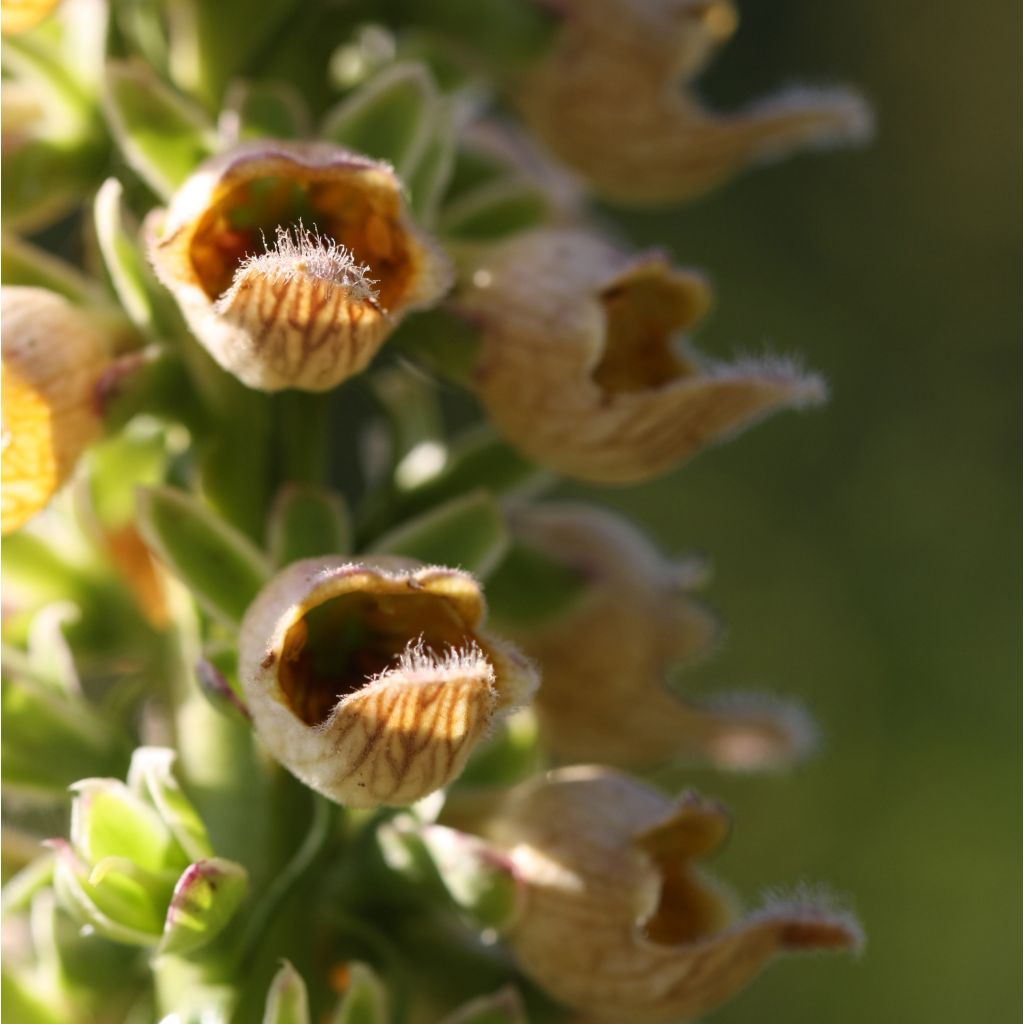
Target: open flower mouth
361 215
644 309
339 646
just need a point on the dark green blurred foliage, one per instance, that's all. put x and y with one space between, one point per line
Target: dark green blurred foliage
864 553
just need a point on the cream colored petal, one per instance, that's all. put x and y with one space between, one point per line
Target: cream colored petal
580 366
606 660
287 303
53 357
617 923
609 99
373 681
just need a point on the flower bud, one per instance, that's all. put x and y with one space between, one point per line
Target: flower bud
617 922
372 681
315 305
578 366
53 356
605 658
608 99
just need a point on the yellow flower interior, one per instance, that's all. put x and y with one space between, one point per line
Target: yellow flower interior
336 647
357 211
642 312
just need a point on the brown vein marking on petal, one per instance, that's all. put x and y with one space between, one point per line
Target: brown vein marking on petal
340 645
361 214
642 311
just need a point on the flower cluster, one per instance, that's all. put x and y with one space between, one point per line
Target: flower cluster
242 536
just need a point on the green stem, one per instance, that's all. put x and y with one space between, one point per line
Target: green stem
303 436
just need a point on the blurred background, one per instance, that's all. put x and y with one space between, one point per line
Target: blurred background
866 554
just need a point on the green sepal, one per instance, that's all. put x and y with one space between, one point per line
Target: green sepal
529 588
150 776
116 466
390 117
493 211
287 1000
502 1007
162 136
306 521
118 908
428 180
444 342
365 1000
205 899
122 255
467 533
217 677
512 754
223 570
261 110
481 881
110 820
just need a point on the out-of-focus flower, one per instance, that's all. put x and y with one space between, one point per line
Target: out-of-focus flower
372 681
54 354
605 659
316 304
578 366
21 15
608 98
617 922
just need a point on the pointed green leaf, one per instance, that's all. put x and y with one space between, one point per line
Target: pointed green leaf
502 1007
442 341
390 117
204 901
23 263
287 1000
429 179
150 776
221 567
161 134
259 110
466 533
365 1000
306 521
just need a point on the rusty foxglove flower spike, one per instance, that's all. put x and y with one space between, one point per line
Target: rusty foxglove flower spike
610 99
372 681
54 354
292 262
580 366
606 699
617 922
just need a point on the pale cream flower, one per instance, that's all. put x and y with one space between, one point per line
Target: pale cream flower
54 354
617 922
606 659
372 681
609 99
292 262
580 367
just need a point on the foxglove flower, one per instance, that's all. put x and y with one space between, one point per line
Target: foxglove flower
607 657
579 366
608 98
372 681
54 354
292 262
617 921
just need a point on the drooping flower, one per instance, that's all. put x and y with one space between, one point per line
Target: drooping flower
292 262
579 365
372 681
617 921
54 354
607 658
609 99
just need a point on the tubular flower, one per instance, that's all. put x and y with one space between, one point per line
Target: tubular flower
578 368
616 921
372 681
608 99
53 356
315 305
605 699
